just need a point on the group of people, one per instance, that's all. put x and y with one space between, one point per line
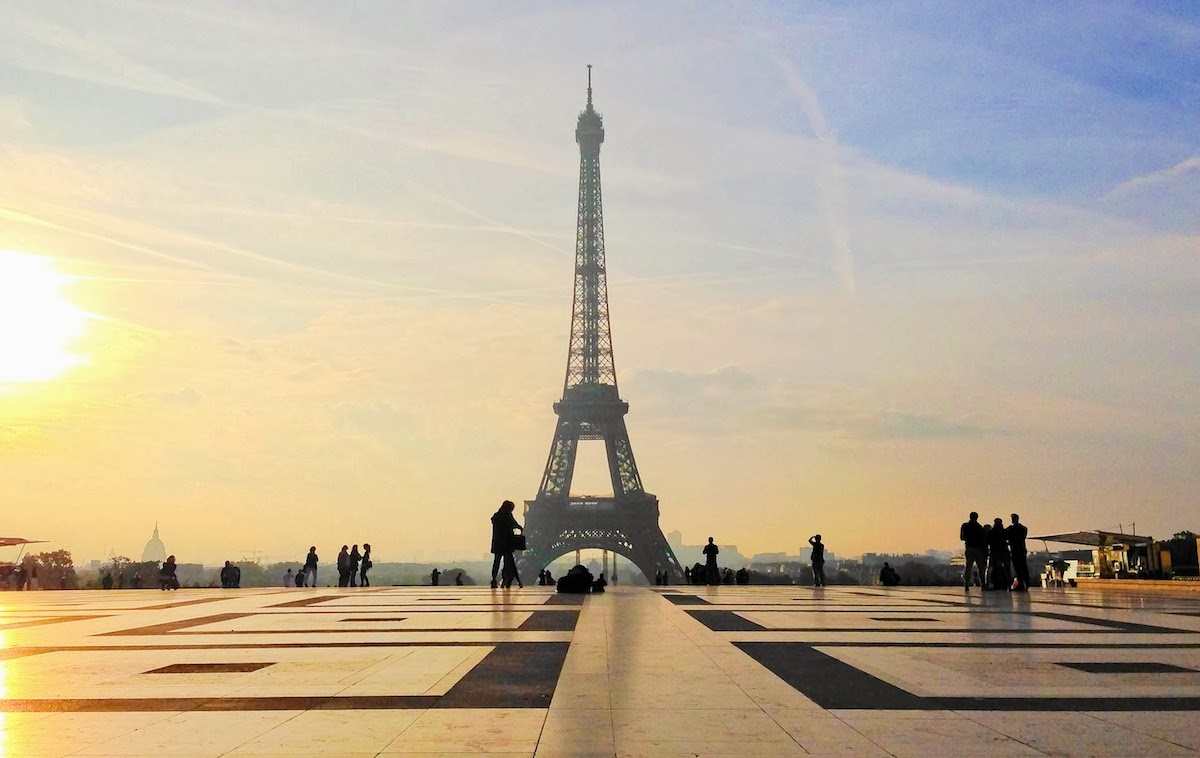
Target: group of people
435 577
546 579
352 566
579 581
231 576
996 552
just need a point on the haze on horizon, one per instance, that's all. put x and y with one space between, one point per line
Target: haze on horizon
295 274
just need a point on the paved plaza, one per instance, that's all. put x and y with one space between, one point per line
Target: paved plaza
745 671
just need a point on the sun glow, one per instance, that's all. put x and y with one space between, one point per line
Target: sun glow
39 326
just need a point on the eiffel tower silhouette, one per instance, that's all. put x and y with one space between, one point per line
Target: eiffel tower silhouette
592 409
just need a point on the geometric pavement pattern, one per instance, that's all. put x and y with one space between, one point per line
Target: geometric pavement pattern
662 671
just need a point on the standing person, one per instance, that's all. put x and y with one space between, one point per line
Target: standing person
310 567
1016 534
712 574
288 579
818 560
167 578
974 549
435 577
343 566
227 576
687 575
355 559
503 523
998 561
363 581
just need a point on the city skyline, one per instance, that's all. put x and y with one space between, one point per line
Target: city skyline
273 276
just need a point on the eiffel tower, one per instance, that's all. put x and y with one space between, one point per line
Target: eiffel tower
592 409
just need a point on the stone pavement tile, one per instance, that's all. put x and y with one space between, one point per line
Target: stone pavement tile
63 733
1073 734
578 731
653 731
192 734
581 691
935 735
1177 727
472 730
332 733
824 735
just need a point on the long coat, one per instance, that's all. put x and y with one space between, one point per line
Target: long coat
503 524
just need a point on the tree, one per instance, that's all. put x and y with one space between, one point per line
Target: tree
56 570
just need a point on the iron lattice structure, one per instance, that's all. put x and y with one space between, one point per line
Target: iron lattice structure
591 409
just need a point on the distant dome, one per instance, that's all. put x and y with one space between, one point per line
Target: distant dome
155 550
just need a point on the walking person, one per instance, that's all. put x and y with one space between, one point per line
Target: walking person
363 581
998 558
310 567
343 566
818 560
503 523
974 550
712 574
355 559
435 577
1016 534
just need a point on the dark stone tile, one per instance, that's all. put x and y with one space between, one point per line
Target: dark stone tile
209 668
686 600
726 621
550 621
1127 667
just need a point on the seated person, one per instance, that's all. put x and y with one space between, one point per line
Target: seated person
578 581
549 579
599 584
888 576
743 576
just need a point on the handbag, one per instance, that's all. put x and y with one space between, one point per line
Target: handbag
518 542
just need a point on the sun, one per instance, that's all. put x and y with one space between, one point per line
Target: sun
39 325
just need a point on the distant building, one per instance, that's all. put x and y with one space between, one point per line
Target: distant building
155 550
691 554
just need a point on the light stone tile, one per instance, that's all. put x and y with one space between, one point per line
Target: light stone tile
823 734
193 734
695 729
472 730
920 737
333 732
1176 727
578 731
1073 734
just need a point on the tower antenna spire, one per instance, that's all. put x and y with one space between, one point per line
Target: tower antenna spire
589 85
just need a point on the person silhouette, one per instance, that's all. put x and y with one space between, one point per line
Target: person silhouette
363 581
712 574
310 567
288 579
352 564
1016 534
343 566
435 577
503 524
998 560
167 577
818 560
974 550
458 580
687 575
600 583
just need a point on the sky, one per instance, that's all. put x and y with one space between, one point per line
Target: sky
280 274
